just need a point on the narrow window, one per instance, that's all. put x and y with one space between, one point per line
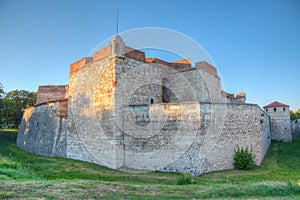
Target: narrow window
283 109
266 109
165 91
274 109
152 101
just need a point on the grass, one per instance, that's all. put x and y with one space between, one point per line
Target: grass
27 176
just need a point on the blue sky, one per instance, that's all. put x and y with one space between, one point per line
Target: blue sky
255 44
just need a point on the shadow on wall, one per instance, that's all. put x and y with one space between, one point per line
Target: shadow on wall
296 127
41 129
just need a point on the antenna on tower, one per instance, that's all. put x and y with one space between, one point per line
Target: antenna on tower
117 21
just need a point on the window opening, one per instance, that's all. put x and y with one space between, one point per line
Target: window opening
152 101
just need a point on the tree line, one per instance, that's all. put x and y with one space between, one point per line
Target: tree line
12 104
295 115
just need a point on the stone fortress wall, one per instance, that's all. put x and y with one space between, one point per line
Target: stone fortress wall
206 145
42 129
126 110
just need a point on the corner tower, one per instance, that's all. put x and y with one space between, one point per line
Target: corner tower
92 133
280 121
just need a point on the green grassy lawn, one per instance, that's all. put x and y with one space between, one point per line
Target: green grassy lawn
27 176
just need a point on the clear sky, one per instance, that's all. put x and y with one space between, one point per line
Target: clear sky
255 44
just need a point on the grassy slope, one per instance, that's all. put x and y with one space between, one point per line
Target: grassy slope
24 175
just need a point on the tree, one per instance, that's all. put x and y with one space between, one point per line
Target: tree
295 115
298 114
8 111
1 91
292 115
1 109
14 103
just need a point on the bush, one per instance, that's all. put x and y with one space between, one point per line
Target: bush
243 159
184 179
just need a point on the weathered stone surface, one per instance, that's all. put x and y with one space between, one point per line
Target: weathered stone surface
51 93
223 128
42 128
296 127
279 121
126 110
167 132
92 133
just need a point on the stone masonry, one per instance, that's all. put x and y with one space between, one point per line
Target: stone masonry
280 121
122 109
51 93
42 127
296 128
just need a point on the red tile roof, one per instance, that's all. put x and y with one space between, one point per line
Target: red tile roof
276 104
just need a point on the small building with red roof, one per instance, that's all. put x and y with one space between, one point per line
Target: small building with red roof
280 121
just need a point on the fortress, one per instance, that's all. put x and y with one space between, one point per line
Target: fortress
124 110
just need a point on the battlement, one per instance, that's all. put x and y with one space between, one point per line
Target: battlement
78 64
51 93
103 53
179 65
238 98
135 54
203 65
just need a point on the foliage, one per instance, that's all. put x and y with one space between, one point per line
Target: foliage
295 115
1 90
184 179
27 176
243 159
13 103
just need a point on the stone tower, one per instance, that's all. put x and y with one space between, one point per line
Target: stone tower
280 121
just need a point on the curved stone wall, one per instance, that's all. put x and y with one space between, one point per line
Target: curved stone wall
42 129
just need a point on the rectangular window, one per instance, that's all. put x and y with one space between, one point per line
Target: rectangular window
283 109
274 109
266 109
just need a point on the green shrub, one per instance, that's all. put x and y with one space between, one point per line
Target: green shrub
243 159
5 195
184 179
